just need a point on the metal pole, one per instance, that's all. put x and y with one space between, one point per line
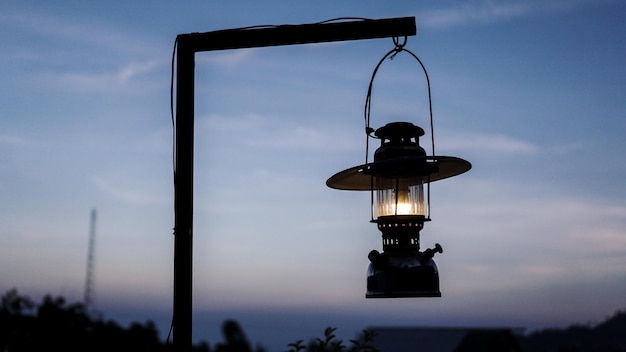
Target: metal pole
187 46
183 199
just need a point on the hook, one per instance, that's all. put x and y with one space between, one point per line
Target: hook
396 42
398 46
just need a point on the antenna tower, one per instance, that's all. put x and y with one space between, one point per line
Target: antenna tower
88 298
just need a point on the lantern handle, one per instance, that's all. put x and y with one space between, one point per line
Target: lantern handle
369 131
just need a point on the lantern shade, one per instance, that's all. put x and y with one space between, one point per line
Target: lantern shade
427 168
399 156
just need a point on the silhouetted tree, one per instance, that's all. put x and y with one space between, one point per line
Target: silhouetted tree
57 326
54 325
330 343
14 304
235 339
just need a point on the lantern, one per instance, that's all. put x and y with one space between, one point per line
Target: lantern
399 180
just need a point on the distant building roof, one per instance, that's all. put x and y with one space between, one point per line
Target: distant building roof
433 339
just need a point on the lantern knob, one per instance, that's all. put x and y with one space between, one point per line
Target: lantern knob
430 252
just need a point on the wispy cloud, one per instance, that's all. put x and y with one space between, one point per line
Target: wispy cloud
120 80
119 187
227 59
12 140
489 12
494 143
72 30
270 133
551 245
301 137
472 13
501 144
132 70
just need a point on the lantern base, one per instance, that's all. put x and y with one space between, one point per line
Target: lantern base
391 276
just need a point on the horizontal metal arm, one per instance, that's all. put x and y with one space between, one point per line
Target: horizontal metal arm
254 37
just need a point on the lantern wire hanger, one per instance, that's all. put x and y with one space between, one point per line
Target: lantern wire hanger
399 47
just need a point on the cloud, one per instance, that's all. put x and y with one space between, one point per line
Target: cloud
519 231
49 40
472 13
494 143
263 132
299 137
499 144
124 79
227 59
488 12
13 140
73 30
132 70
141 192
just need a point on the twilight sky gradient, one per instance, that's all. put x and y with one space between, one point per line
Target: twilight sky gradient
531 92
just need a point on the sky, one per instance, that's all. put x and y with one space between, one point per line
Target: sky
532 93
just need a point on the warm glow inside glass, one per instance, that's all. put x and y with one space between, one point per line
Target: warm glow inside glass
400 196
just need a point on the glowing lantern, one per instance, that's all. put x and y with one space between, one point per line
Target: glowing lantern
399 179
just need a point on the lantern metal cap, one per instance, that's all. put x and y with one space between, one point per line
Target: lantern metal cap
399 129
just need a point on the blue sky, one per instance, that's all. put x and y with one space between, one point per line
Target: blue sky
532 93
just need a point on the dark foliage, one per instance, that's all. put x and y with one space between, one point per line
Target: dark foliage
609 336
55 325
236 340
330 343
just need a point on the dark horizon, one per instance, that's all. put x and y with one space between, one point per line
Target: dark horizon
275 328
260 334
